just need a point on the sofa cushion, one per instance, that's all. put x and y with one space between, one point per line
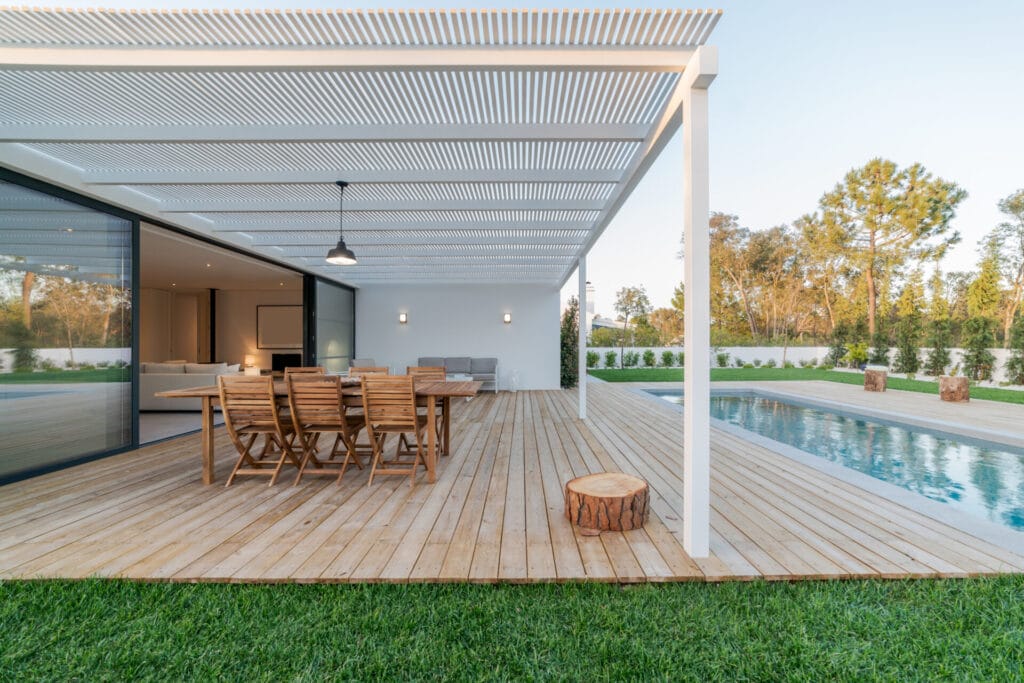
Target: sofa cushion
164 368
206 368
430 362
457 365
483 366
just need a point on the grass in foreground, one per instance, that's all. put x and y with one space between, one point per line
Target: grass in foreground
805 374
856 630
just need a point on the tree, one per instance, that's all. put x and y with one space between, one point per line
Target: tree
826 267
1015 365
606 336
908 350
979 338
645 334
1008 238
984 292
939 339
669 324
679 300
880 216
879 347
571 344
630 302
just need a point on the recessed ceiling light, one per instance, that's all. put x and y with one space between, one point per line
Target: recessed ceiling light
174 284
281 283
209 265
67 229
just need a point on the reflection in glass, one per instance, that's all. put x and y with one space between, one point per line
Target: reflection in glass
65 330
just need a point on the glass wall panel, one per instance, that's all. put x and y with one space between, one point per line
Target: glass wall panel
65 331
335 326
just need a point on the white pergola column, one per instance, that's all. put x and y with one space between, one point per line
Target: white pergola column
700 72
581 271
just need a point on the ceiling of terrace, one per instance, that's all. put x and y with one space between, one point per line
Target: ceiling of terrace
490 146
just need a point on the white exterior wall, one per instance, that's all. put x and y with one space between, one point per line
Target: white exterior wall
464 320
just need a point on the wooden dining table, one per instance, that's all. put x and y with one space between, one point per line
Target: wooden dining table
430 391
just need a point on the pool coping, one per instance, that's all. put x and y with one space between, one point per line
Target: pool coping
991 532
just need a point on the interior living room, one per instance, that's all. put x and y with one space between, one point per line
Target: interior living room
205 311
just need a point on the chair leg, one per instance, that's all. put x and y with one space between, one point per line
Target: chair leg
243 456
308 455
286 454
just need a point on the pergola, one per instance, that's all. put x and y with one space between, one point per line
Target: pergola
482 146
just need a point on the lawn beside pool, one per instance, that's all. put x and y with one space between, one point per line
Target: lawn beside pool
797 374
836 630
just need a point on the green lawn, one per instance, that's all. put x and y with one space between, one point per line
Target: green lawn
68 376
783 374
810 631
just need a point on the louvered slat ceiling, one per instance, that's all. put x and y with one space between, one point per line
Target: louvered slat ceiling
481 146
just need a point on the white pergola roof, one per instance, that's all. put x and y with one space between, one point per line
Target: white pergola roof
482 146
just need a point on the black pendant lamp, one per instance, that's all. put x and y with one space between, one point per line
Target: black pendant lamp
341 255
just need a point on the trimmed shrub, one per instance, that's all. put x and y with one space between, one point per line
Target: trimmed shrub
722 359
668 359
879 347
788 365
611 359
757 362
649 359
908 353
1015 366
748 366
682 359
593 358
630 359
939 338
770 363
739 362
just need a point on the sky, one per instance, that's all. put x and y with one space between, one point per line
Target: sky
806 91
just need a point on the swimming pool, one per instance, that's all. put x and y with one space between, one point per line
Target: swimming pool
976 477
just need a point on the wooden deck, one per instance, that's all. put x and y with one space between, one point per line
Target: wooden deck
495 514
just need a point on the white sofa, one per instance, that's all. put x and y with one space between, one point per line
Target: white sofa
154 377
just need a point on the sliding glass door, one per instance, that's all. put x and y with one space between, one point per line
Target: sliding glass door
65 331
334 325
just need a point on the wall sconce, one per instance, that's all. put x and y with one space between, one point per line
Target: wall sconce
508 318
403 318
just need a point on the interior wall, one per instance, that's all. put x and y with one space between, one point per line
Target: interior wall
154 325
459 320
236 323
185 327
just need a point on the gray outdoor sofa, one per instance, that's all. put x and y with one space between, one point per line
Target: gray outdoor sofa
481 369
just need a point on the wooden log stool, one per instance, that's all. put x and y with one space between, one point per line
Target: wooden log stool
875 380
954 389
610 501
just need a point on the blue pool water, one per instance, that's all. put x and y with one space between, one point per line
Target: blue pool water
982 479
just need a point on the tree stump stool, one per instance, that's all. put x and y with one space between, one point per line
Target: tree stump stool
875 380
610 501
954 389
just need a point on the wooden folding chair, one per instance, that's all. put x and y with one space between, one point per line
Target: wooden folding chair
374 370
308 370
250 410
317 408
430 373
389 406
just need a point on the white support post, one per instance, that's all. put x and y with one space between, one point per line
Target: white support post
697 282
582 274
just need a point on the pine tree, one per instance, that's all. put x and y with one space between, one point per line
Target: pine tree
570 344
879 347
979 337
939 339
1015 366
908 358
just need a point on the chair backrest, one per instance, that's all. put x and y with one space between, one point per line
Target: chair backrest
389 402
362 363
315 399
368 370
313 370
434 374
248 402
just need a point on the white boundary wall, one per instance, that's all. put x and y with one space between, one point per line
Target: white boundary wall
464 320
794 354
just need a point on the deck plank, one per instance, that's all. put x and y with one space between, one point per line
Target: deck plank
495 514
